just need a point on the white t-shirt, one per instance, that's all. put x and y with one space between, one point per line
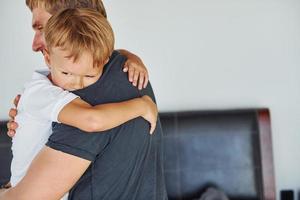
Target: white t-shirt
38 107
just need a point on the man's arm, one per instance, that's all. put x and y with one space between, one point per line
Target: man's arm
51 174
102 117
137 71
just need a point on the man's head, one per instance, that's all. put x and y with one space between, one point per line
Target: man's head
42 10
79 43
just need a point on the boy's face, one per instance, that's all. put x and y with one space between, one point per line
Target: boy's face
71 75
40 18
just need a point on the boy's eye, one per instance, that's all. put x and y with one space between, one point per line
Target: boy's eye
87 76
65 73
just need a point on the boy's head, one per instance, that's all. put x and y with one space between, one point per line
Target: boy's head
79 43
42 10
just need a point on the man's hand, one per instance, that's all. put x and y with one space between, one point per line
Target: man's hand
11 124
137 72
151 113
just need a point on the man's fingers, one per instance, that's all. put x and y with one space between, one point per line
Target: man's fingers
141 81
14 125
11 128
11 133
16 100
11 125
12 113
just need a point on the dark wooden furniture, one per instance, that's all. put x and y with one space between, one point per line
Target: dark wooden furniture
228 149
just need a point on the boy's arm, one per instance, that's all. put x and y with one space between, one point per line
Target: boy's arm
102 117
137 72
51 174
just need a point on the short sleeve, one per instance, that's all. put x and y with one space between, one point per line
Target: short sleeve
76 142
44 101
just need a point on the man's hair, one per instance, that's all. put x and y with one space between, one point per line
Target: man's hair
53 6
80 30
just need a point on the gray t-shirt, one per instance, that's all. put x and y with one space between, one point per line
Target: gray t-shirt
127 161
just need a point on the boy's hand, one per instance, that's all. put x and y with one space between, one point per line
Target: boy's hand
11 124
151 112
137 72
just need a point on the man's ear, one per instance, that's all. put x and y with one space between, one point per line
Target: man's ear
47 58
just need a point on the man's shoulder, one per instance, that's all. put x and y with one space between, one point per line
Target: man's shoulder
115 83
115 62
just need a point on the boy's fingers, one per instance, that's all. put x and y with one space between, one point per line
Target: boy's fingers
152 127
125 69
135 78
141 81
146 81
130 74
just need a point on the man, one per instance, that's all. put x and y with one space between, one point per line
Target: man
122 164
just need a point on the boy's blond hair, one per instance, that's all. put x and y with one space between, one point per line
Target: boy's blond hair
53 6
80 30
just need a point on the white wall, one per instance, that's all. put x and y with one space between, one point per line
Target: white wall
201 54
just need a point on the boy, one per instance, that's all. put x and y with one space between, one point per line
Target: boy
124 163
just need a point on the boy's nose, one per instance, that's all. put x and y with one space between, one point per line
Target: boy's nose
78 83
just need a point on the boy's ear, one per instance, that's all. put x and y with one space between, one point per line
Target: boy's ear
47 57
106 61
